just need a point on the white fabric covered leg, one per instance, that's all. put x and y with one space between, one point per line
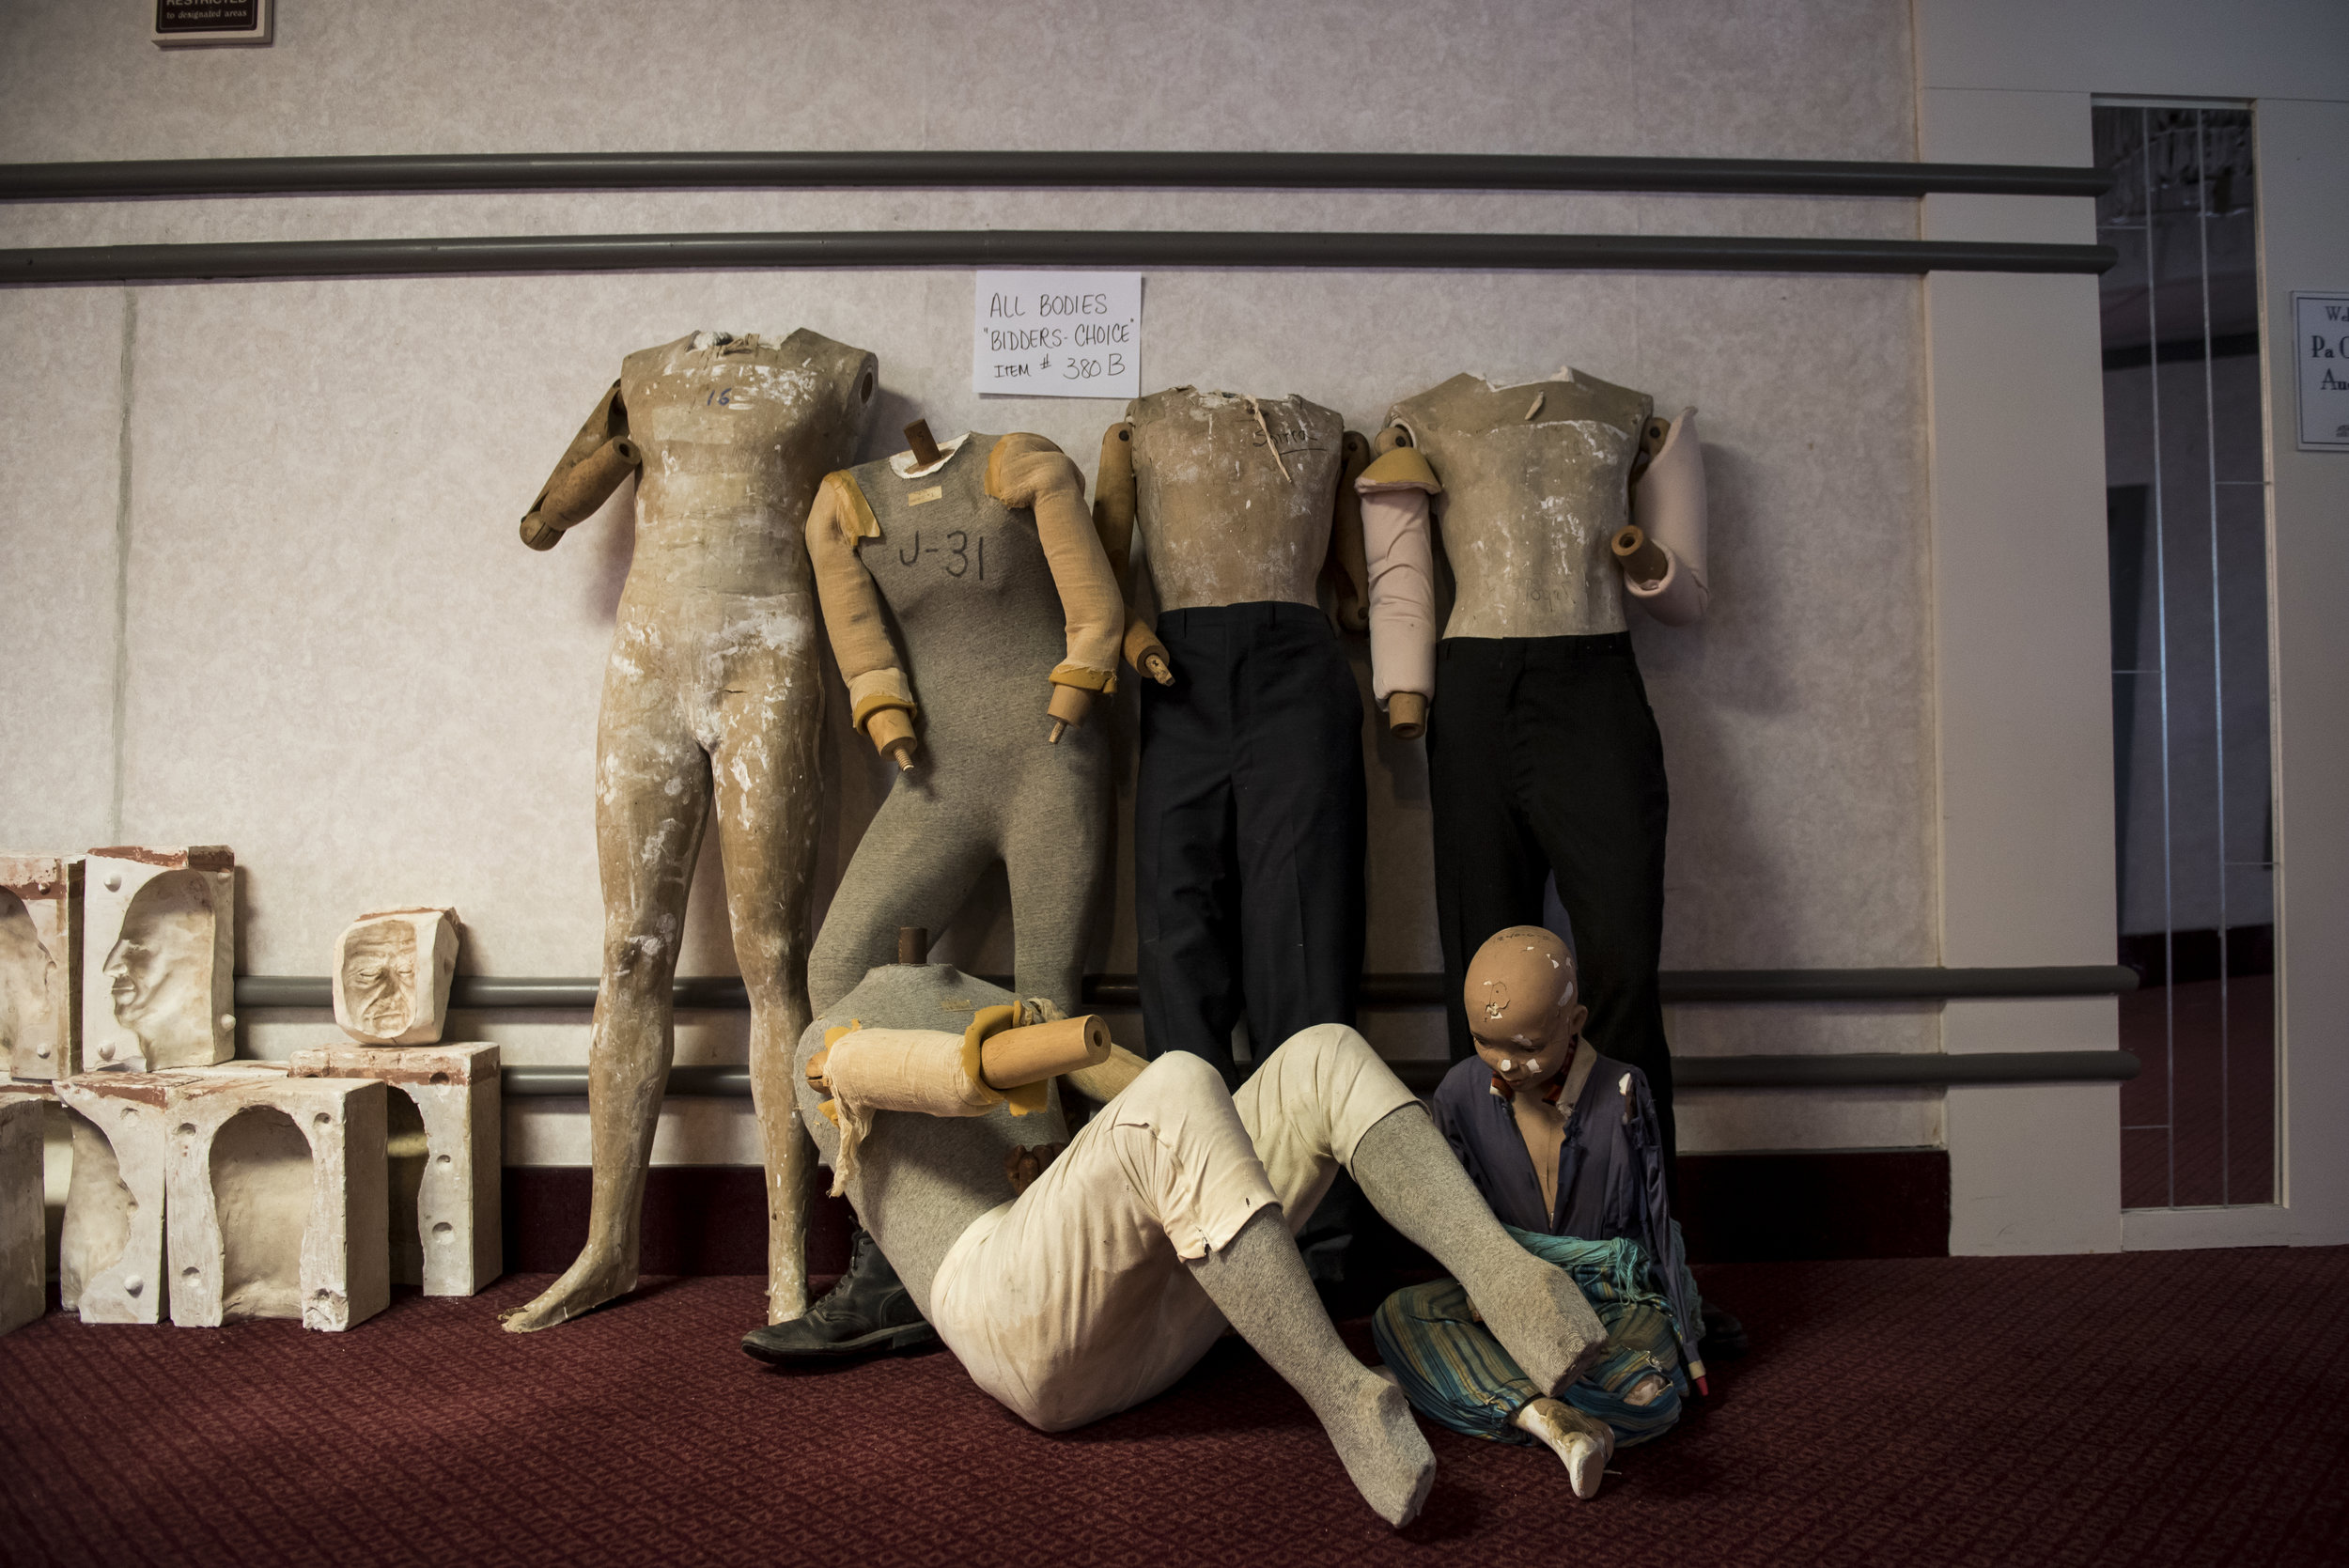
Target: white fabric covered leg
1072 1302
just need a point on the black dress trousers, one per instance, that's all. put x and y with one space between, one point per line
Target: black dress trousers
1248 832
1544 759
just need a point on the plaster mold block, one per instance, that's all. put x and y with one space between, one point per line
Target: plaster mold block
161 924
40 964
392 972
110 1261
444 1127
277 1208
22 1284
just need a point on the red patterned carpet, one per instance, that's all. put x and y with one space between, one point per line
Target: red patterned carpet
2159 1408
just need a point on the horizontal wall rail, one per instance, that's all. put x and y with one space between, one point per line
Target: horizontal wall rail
1911 1070
1292 170
725 993
621 253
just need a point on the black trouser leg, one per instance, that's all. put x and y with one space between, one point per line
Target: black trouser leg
1488 867
1587 767
1296 785
1185 887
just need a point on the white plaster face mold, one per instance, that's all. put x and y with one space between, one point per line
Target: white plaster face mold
40 964
23 1291
159 928
391 974
111 1258
443 1127
276 1198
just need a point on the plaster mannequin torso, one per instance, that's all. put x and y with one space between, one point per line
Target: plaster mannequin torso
981 622
1536 483
1220 521
710 703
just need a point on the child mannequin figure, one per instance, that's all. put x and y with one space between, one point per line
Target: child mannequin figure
1564 1144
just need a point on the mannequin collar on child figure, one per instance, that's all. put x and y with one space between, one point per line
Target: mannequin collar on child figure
1524 1012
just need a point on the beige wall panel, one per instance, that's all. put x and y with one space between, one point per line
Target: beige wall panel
344 663
64 350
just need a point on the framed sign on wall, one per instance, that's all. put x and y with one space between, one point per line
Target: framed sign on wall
180 23
2320 354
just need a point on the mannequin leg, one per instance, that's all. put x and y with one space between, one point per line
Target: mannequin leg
915 865
1056 852
1587 764
1186 896
1109 1278
652 802
1324 1099
767 788
1301 826
1258 1281
1489 866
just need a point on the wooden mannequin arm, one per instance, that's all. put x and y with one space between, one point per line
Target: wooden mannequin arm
880 694
1113 508
592 467
1348 568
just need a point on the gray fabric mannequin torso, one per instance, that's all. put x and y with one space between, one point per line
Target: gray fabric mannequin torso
982 625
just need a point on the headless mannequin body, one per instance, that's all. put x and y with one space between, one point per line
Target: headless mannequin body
710 699
1097 1285
991 569
1248 809
1556 500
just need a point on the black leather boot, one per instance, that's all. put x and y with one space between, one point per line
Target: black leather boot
868 1313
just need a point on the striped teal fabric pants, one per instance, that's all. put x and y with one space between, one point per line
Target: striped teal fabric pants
1455 1374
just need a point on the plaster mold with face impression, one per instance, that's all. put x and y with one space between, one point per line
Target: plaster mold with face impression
276 1197
443 1125
391 974
40 964
22 1287
110 1266
160 927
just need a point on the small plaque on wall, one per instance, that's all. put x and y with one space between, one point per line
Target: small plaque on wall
2320 356
180 23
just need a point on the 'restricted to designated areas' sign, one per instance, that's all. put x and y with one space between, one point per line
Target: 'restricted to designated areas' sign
180 22
1057 334
2319 355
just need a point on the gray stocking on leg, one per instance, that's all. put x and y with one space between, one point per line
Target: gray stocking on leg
1258 1282
1412 1176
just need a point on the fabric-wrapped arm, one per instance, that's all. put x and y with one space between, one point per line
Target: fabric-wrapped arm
836 524
1399 548
1029 472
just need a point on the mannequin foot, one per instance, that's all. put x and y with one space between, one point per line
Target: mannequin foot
1389 1463
592 1279
1539 1316
1584 1443
869 1313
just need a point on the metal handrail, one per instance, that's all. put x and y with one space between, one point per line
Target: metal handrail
959 248
940 170
1380 992
1855 1070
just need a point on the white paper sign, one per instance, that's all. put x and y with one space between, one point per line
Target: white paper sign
2320 352
1057 334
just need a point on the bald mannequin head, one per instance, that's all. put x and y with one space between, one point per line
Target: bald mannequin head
1523 1004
